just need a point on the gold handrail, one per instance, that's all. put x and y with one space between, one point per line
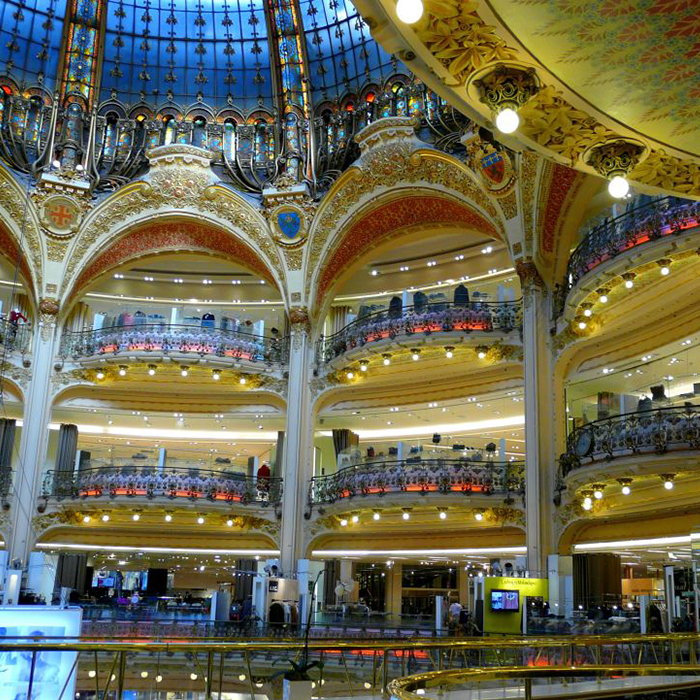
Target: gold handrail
219 644
403 688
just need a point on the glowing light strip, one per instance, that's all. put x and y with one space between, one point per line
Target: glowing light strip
446 428
626 544
154 550
172 434
416 552
237 305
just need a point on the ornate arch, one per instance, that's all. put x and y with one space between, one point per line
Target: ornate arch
382 222
19 231
177 190
393 159
171 236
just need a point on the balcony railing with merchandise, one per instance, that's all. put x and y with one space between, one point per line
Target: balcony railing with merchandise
161 482
425 319
165 338
656 431
421 477
637 226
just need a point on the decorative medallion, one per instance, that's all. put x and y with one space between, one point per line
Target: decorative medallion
290 225
60 215
492 165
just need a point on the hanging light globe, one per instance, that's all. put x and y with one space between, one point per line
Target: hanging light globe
409 11
618 187
507 120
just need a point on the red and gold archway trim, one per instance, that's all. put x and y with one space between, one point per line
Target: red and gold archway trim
556 197
174 237
9 249
388 219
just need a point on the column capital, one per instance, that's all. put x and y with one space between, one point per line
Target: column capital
529 275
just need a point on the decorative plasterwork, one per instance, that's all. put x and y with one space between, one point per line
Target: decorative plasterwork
458 43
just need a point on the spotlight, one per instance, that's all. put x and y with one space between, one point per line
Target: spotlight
349 374
136 517
406 515
443 515
241 676
144 674
91 673
151 370
200 520
100 375
193 676
618 187
86 519
363 366
507 121
159 678
343 522
668 481
626 490
386 359
587 503
603 299
598 492
168 517
479 515
409 11
582 325
415 355
56 164
184 371
449 352
376 515
105 518
587 313
355 519
665 270
629 284
122 370
229 522
626 486
481 355
374 273
242 381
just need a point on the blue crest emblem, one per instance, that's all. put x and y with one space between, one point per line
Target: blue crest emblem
289 222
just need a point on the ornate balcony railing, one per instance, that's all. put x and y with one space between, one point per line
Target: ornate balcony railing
442 476
165 482
165 338
649 222
654 431
15 336
441 317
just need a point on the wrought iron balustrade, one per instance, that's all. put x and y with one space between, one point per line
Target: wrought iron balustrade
438 317
161 482
419 477
655 431
15 336
167 338
615 236
248 152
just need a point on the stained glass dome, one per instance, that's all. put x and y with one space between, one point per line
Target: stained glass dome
243 53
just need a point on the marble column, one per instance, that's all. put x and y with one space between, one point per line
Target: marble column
298 443
540 401
33 443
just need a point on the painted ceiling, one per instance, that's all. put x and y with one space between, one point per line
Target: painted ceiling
636 61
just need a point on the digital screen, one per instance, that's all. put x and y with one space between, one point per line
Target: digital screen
106 582
505 601
52 669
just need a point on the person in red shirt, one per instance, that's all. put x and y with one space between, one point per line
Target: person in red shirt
264 476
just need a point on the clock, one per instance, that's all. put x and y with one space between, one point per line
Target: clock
584 443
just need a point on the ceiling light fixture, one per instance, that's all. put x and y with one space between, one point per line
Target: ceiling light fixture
449 352
409 11
386 359
184 370
122 370
151 370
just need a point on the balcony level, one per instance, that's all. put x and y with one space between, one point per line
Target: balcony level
175 342
665 437
15 337
642 233
441 323
143 484
367 484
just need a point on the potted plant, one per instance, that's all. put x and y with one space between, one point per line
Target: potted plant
296 682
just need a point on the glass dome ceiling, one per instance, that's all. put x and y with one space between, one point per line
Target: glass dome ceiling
241 53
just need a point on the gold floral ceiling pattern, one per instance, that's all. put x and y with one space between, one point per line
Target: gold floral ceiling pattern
637 61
